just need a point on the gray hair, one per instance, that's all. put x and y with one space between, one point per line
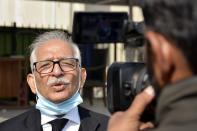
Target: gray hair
59 35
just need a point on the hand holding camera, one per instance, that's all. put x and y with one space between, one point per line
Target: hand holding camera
130 119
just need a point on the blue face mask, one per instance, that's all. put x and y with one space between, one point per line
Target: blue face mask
51 108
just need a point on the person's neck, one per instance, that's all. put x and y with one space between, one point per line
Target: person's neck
60 116
182 71
182 68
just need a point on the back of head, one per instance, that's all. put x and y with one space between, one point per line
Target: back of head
177 21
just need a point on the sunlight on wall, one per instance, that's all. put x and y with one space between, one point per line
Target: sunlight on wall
137 14
38 14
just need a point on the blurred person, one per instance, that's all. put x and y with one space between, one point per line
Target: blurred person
56 79
171 32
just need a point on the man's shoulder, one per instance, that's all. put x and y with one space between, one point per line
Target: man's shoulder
16 123
83 112
92 121
20 117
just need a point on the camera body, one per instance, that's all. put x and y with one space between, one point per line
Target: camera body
124 82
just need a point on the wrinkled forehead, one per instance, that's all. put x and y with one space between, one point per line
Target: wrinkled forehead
54 49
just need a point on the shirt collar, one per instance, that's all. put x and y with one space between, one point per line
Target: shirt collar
72 116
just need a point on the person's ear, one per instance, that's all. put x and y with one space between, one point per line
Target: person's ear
31 82
83 77
163 53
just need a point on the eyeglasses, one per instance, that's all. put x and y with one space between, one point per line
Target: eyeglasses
47 66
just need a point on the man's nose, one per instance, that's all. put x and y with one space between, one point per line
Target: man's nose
57 70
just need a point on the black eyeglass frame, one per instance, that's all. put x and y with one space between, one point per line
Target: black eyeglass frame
57 62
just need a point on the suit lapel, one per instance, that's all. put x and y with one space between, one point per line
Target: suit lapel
88 122
33 121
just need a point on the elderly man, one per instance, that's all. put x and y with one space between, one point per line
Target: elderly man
56 79
171 50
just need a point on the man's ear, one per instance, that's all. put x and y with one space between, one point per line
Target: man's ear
162 49
163 63
31 82
83 77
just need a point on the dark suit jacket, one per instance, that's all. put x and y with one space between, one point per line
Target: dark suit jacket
31 121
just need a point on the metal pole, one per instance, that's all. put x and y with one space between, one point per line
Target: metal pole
130 9
14 41
115 53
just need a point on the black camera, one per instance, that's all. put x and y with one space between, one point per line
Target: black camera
124 80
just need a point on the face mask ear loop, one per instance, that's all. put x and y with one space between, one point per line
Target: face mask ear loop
36 88
79 83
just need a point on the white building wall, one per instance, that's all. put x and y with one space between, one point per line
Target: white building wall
38 14
93 8
6 12
74 7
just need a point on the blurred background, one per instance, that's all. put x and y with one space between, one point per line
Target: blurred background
22 20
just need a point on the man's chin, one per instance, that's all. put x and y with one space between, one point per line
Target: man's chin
58 101
58 98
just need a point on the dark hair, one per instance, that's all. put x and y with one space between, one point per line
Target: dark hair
176 20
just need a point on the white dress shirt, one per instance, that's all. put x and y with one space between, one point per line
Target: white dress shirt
72 125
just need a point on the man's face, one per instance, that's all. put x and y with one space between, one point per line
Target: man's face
56 50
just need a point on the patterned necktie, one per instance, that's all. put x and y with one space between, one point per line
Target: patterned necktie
58 124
